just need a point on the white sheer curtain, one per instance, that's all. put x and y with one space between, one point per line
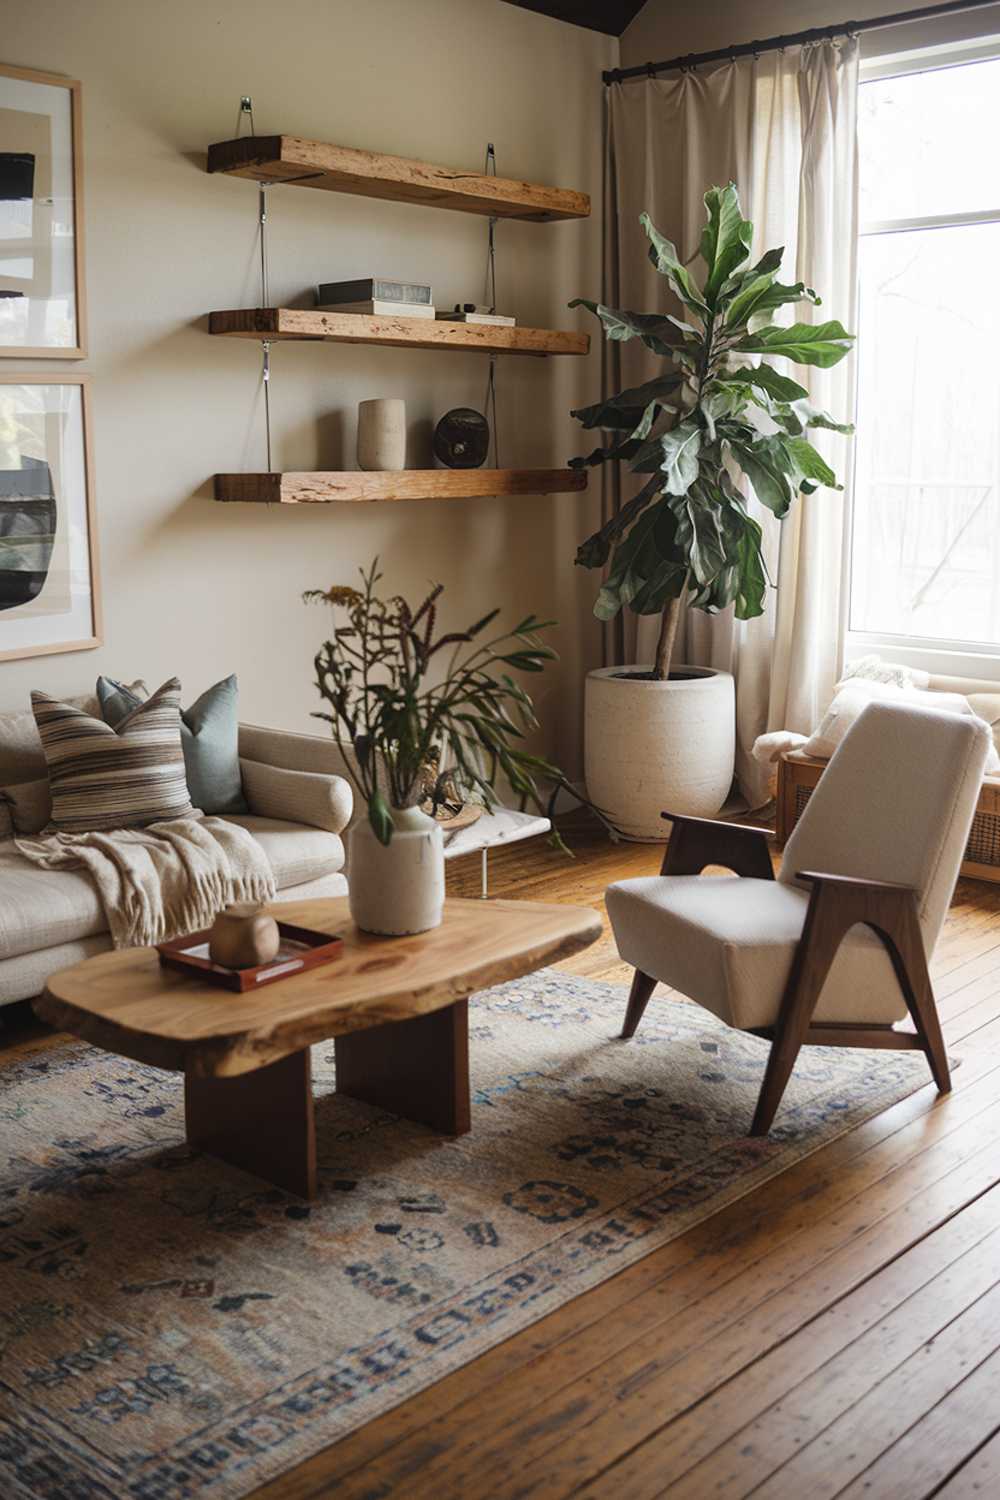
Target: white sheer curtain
782 126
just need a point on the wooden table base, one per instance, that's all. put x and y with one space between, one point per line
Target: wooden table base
263 1121
417 1068
260 1121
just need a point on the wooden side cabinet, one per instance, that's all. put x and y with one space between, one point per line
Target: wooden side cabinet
798 776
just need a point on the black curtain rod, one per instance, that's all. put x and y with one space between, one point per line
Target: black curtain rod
793 39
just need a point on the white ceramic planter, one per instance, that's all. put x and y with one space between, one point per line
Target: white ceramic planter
397 888
652 746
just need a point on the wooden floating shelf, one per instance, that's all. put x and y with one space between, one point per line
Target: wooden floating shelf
405 333
369 174
359 487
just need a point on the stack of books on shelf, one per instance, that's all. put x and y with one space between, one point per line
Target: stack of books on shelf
377 297
469 312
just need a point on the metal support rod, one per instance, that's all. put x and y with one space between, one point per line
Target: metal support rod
485 888
792 39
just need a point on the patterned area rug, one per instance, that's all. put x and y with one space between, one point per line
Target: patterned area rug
170 1327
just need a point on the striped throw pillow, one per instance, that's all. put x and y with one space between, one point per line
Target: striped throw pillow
125 777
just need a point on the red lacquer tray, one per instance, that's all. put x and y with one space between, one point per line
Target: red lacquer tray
301 949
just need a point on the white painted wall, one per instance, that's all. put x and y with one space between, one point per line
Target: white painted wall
199 589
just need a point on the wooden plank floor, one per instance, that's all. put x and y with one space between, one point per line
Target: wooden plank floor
835 1333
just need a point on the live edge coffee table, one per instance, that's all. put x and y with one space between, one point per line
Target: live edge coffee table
396 1008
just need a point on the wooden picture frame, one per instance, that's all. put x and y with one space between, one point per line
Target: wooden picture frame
73 584
75 346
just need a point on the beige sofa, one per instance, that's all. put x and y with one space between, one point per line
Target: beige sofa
299 807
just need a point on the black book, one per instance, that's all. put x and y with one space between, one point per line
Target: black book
371 289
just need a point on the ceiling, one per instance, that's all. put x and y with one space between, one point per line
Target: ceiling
610 16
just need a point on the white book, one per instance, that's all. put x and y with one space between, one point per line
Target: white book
380 309
491 320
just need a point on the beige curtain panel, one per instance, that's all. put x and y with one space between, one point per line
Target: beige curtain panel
783 127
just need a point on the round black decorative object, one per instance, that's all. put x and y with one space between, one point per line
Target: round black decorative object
462 438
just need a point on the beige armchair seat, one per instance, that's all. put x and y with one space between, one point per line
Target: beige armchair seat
835 949
49 919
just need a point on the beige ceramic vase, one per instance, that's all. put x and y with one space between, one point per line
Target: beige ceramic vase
243 936
382 434
397 888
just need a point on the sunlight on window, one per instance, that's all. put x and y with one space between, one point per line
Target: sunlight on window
926 548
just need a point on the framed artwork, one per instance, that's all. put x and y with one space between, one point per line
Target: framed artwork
49 593
42 311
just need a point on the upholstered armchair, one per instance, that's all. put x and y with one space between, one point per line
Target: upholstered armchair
834 951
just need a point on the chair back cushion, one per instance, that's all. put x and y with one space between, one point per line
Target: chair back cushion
103 778
896 803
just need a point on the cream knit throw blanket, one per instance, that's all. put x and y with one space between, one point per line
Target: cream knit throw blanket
163 881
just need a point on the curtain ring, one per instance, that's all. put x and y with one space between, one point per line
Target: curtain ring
650 70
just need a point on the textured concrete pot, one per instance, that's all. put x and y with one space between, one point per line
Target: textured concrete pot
397 888
382 434
652 746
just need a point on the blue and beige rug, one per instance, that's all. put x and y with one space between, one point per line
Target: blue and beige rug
170 1327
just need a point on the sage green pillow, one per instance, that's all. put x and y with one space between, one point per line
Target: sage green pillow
209 736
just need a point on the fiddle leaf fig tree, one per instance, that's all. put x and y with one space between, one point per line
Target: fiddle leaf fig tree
712 415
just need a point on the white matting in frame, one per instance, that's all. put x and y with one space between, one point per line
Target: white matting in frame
42 312
49 597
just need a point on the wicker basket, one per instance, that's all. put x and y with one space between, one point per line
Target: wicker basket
798 775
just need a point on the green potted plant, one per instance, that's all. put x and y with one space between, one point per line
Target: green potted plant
400 702
662 736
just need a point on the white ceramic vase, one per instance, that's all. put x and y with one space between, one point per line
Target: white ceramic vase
397 888
652 747
382 434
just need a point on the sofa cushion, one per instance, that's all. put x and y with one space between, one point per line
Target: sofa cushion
29 804
103 778
21 754
46 908
296 854
320 801
209 734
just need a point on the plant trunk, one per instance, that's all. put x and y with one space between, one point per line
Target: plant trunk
668 634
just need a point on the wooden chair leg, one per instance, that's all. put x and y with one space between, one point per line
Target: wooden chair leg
638 998
906 949
837 904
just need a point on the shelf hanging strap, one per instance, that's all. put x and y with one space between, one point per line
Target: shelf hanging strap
490 298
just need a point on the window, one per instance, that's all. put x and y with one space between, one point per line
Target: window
925 549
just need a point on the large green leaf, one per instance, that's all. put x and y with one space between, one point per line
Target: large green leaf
595 551
809 464
664 256
813 417
699 533
725 240
770 381
679 461
769 261
611 413
777 295
822 344
767 474
653 328
746 300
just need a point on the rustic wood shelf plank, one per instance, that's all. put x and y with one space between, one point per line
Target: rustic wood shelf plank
369 174
359 487
405 333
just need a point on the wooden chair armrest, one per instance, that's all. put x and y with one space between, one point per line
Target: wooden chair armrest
697 842
736 828
854 882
